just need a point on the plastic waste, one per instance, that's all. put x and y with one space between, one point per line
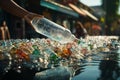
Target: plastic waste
52 30
57 73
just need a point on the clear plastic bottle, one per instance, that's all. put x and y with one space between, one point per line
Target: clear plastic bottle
52 30
57 73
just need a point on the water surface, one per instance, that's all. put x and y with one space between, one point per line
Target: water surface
101 66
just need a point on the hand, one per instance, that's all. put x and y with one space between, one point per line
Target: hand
29 17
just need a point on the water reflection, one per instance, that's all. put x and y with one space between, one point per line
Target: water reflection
109 70
101 66
79 70
109 67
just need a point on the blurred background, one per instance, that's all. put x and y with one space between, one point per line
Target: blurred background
98 17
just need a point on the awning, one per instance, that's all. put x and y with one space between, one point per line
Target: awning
58 7
82 11
75 8
89 14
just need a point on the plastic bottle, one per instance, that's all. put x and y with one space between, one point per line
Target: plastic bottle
57 73
52 30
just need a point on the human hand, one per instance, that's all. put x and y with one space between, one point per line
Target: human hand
30 16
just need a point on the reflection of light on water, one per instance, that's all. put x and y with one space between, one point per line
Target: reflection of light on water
90 72
105 61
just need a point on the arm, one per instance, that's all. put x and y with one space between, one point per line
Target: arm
13 8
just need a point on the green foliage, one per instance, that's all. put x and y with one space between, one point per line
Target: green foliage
111 8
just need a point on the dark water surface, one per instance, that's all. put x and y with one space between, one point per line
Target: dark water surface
101 66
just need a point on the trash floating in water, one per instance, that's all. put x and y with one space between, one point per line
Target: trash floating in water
46 54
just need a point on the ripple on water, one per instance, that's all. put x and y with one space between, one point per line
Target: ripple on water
101 66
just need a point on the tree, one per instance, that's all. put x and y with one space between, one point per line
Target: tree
111 8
